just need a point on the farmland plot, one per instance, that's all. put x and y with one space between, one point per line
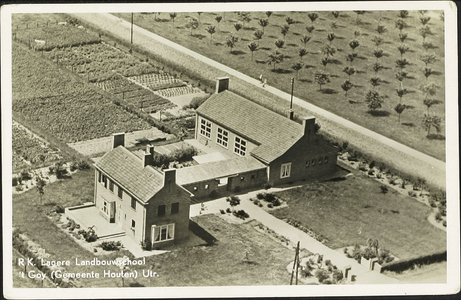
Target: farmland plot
157 81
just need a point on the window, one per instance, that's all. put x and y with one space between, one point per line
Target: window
161 210
205 128
163 233
206 186
195 188
99 176
133 225
133 203
253 176
285 170
120 193
240 146
307 163
320 161
174 208
111 185
242 178
104 180
105 207
325 159
313 162
223 137
222 181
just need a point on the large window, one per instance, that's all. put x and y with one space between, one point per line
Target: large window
111 185
161 211
133 203
104 181
163 233
205 128
240 146
174 208
285 170
222 137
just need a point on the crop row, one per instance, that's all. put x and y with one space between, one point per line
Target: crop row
78 116
178 91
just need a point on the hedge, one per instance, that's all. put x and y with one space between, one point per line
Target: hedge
405 264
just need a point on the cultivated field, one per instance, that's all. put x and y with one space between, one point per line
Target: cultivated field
351 211
379 49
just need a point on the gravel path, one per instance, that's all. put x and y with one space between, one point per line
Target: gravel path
388 151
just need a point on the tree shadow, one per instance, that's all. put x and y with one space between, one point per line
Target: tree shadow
334 75
340 38
328 91
305 80
309 66
335 62
265 48
355 102
437 73
358 86
237 52
218 44
362 57
360 72
378 113
410 77
249 28
295 33
245 40
385 81
409 107
281 71
408 124
318 42
292 45
224 31
320 30
436 136
260 61
272 36
199 36
364 34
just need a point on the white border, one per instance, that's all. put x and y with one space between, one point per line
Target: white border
452 154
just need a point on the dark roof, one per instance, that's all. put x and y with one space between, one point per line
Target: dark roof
213 170
274 133
127 170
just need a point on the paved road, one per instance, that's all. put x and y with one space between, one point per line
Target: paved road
386 150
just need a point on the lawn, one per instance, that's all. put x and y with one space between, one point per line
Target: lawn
351 211
221 264
331 96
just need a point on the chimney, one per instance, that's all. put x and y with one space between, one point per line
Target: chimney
148 158
169 178
222 84
309 126
291 114
118 139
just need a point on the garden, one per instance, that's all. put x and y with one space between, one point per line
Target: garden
383 70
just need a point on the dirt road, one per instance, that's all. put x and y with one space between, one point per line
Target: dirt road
388 151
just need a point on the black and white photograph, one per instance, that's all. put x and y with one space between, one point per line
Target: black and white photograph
274 149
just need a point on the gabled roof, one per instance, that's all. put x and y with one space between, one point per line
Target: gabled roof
127 170
218 169
274 133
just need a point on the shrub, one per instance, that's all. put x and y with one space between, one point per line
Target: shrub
444 223
241 214
372 164
412 194
89 235
73 166
111 245
432 203
276 202
260 205
438 217
337 275
270 205
146 245
196 102
379 175
371 172
228 210
363 167
25 175
267 186
260 196
59 209
384 189
83 165
269 197
321 275
15 181
222 211
405 264
19 188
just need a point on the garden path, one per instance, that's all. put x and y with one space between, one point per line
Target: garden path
386 150
362 275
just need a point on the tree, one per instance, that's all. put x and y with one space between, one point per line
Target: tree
422 12
333 25
401 92
377 67
172 17
428 58
331 37
321 79
377 40
402 49
424 32
346 86
429 89
375 81
399 109
218 19
351 57
401 75
328 50
429 103
427 46
305 39
325 61
258 35
401 63
289 21
374 100
427 72
313 16
302 52
297 66
378 53
381 29
268 14
349 71
275 58
245 17
400 25
279 43
231 41
430 121
40 185
403 37
263 23
253 47
284 30
211 30
359 13
354 44
403 14
237 27
199 13
310 29
192 24
233 201
424 20
335 14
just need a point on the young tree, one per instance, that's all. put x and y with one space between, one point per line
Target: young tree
375 81
424 20
40 185
321 79
427 72
328 50
424 32
258 35
429 103
401 92
399 109
297 66
279 43
346 86
354 44
349 71
313 16
253 47
429 89
378 53
199 13
237 27
400 25
173 16
268 14
403 37
231 41
377 67
430 121
310 29
333 25
233 201
305 39
289 21
192 24
381 29
428 58
358 21
402 49
211 30
284 30
374 100
351 57
427 46
422 12
357 34
275 58
377 40
263 23
401 63
245 17
218 19
335 14
325 61
331 37
403 14
302 52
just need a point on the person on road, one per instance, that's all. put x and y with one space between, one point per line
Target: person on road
264 82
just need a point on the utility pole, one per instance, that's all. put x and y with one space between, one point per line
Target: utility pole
131 31
295 265
291 114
